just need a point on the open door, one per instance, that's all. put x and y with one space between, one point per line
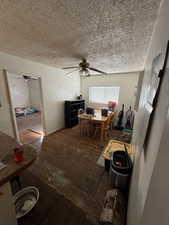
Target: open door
26 106
7 123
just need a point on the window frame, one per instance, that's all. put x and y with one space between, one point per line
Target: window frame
106 101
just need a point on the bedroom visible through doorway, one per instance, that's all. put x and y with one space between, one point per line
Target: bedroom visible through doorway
26 103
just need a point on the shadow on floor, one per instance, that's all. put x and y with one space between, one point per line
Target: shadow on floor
52 208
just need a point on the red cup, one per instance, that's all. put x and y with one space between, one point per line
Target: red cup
18 155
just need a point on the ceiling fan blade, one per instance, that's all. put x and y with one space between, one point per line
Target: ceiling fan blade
72 71
70 67
96 70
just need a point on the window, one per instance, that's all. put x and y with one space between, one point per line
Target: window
103 95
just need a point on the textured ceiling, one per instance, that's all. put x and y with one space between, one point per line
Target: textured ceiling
112 34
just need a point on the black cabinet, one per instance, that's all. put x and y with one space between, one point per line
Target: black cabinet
71 112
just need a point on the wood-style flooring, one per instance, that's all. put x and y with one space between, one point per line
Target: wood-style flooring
30 128
67 164
28 122
52 208
28 136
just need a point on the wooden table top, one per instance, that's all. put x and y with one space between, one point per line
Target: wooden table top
13 169
97 117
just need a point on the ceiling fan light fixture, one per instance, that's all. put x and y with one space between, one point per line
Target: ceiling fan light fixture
81 72
84 72
87 73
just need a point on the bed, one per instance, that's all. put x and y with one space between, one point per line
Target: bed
23 111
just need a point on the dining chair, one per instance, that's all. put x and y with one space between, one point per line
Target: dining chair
106 128
89 111
112 116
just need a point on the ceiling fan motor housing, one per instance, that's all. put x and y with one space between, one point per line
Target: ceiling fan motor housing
84 64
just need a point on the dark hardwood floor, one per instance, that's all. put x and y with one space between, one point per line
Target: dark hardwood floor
67 164
52 208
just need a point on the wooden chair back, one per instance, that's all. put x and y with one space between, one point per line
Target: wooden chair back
113 115
107 124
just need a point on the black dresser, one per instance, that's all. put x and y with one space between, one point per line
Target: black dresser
71 112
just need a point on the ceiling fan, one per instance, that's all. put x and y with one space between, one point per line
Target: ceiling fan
84 68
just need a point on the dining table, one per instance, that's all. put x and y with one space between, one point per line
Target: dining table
9 169
97 118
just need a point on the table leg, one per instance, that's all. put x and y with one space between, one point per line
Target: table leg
80 126
102 131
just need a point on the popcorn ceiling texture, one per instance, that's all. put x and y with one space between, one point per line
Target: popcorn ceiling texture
113 35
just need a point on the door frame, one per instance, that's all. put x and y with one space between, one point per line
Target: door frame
11 107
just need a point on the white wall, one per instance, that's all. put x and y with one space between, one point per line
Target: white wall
56 85
156 207
146 165
34 94
19 91
127 83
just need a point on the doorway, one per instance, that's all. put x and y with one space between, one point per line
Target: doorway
26 102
